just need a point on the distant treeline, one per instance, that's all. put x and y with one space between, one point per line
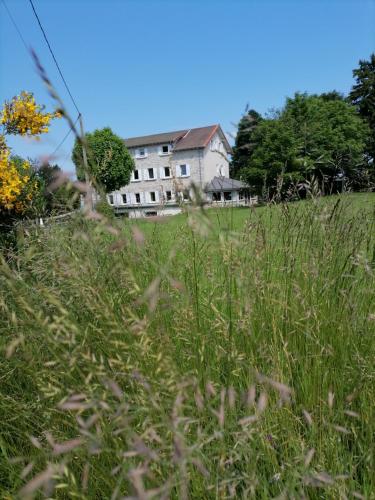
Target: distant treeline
324 142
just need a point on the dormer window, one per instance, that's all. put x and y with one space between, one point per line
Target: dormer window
164 149
141 153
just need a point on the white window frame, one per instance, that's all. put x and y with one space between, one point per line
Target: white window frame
162 172
165 195
138 153
132 179
178 170
147 197
162 153
135 199
146 174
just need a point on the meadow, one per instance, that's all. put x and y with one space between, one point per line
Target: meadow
221 353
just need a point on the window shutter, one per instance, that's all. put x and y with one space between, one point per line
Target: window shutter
187 169
178 171
161 172
157 196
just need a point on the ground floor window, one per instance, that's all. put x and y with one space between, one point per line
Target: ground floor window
137 198
216 196
168 195
152 196
111 201
124 200
227 195
151 214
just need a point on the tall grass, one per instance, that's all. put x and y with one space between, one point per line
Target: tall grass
220 354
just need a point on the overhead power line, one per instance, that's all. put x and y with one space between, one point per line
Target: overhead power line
15 25
65 137
53 56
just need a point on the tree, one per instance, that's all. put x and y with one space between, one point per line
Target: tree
313 136
362 96
54 196
19 116
244 144
110 163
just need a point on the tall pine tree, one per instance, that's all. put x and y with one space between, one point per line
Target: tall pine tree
244 143
362 96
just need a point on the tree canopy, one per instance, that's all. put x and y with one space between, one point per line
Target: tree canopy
362 96
110 163
313 136
244 144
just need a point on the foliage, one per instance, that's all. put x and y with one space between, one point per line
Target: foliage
223 354
57 195
104 208
23 116
244 145
362 96
20 116
110 163
313 136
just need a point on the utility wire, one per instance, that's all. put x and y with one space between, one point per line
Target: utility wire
15 25
66 136
53 56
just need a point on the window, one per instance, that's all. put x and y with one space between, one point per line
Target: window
137 198
241 195
124 200
183 170
141 152
227 195
151 214
164 150
216 196
152 196
150 172
111 201
168 195
185 195
136 176
167 172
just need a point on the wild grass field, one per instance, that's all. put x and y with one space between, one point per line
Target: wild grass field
217 354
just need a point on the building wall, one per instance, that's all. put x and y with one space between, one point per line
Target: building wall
203 165
175 184
215 159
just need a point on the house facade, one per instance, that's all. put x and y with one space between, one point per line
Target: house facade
167 165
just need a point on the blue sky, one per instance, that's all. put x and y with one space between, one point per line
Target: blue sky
145 66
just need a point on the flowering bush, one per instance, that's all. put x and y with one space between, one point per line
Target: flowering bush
23 116
20 116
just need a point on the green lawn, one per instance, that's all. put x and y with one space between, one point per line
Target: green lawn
214 354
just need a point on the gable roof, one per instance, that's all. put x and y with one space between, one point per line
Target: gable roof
223 184
193 138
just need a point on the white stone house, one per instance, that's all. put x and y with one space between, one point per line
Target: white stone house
168 164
